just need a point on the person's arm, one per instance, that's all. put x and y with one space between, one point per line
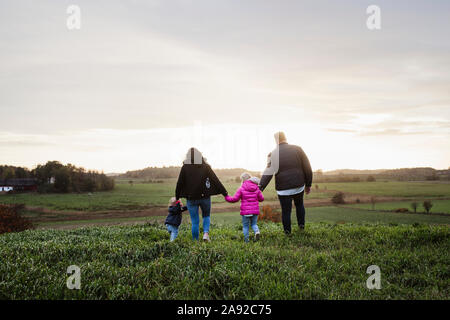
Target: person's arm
306 166
237 196
217 182
184 209
180 183
267 174
260 196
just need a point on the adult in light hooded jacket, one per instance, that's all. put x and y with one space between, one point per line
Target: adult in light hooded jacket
197 182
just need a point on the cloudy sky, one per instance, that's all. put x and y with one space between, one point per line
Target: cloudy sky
142 81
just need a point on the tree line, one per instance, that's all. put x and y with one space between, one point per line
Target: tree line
154 173
56 177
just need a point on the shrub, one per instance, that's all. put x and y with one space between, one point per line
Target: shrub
401 210
338 198
357 200
427 205
371 179
11 220
268 214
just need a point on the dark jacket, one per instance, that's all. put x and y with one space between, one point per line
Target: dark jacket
175 215
294 169
198 181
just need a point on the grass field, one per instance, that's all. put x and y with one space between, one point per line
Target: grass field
138 262
439 206
393 188
335 215
340 215
123 197
142 196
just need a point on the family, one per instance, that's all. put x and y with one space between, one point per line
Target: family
197 182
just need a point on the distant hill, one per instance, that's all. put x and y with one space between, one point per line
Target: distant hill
342 175
353 171
402 174
173 172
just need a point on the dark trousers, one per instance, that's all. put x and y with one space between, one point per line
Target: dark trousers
286 208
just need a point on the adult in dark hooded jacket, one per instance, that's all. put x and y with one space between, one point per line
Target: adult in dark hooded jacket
197 182
293 177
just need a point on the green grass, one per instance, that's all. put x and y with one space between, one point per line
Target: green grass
346 215
393 188
326 261
439 206
123 197
316 214
349 215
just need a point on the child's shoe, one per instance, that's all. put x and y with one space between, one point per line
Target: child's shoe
206 237
257 236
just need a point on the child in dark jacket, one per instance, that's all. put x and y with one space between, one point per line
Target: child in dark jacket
174 217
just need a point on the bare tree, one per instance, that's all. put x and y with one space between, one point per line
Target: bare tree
427 205
414 205
373 200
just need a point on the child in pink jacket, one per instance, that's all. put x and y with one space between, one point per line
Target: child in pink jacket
250 197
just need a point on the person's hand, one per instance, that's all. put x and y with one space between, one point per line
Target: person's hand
308 190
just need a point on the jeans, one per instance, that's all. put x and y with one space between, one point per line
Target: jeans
205 205
173 231
246 221
286 208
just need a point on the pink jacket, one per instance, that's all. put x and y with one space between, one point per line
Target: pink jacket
250 196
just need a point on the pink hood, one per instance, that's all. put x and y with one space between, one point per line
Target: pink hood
250 196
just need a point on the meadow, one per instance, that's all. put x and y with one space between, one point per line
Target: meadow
439 206
140 196
326 214
124 197
326 261
135 260
411 189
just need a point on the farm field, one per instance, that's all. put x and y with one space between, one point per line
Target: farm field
326 261
411 189
439 206
335 215
145 195
124 197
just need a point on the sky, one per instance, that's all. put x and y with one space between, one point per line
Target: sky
142 81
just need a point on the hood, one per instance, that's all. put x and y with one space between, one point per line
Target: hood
249 186
194 156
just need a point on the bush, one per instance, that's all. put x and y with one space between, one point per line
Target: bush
11 220
338 198
268 214
371 179
401 210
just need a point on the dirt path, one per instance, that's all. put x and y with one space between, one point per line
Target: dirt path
60 219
